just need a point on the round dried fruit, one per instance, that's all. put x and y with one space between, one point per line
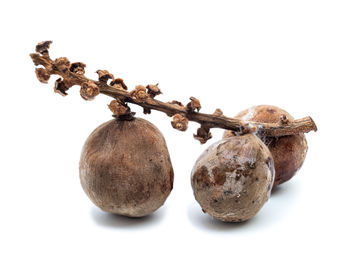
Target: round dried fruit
125 167
288 152
233 178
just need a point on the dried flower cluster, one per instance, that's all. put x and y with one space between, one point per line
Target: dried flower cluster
179 122
73 74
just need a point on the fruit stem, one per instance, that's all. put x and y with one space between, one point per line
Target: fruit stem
73 74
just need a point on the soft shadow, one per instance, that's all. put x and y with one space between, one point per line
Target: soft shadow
205 222
111 220
275 210
289 190
280 190
283 199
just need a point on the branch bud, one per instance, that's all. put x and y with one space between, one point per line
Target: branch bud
61 87
104 76
179 122
77 68
43 47
42 74
62 64
193 105
153 90
203 134
284 120
89 90
118 108
139 94
118 82
218 112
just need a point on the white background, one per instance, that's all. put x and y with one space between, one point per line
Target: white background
229 54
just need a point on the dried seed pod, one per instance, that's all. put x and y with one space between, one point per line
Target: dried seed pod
288 152
179 122
78 68
42 74
118 82
43 47
203 134
233 178
104 75
61 86
118 108
153 90
89 90
125 167
62 64
193 105
139 94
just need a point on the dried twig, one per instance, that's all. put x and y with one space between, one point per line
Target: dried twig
73 74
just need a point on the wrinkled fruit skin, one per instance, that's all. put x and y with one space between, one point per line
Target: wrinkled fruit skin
288 152
233 178
125 167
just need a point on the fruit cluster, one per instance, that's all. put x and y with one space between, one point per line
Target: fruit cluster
125 166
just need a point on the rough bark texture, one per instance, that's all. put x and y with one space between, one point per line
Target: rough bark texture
125 167
288 152
233 178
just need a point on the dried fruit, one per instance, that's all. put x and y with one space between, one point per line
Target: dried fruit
288 152
125 167
233 178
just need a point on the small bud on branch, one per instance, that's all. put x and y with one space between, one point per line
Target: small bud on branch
153 90
139 94
203 134
193 105
284 120
89 90
42 74
43 47
179 122
78 68
61 87
104 75
118 83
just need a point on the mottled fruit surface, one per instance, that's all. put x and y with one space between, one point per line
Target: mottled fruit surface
288 152
125 167
233 178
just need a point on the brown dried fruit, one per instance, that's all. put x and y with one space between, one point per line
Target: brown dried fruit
125 167
288 152
233 178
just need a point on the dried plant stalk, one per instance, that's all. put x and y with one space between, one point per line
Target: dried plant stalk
73 74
